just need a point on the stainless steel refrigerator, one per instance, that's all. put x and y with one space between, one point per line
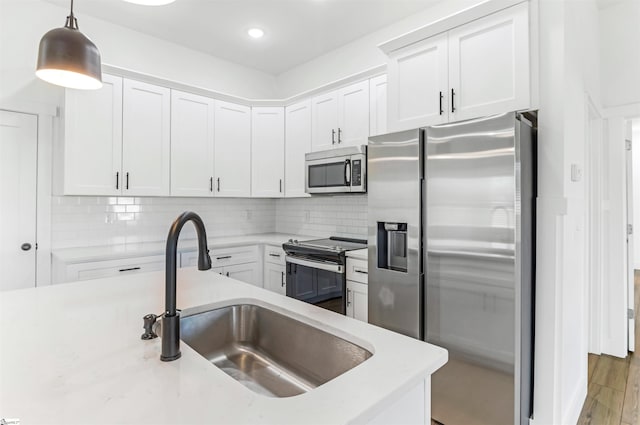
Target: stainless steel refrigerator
451 258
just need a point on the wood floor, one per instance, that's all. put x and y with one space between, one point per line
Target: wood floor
613 397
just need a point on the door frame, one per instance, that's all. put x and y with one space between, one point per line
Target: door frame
48 130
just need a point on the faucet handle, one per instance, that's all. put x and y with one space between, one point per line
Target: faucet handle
149 321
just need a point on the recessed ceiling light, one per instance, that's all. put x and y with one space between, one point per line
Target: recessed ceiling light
255 33
150 2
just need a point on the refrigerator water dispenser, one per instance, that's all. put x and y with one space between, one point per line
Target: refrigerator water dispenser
392 246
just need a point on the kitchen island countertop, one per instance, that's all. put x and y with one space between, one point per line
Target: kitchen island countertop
72 354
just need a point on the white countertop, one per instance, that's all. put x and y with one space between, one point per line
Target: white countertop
360 254
72 354
115 252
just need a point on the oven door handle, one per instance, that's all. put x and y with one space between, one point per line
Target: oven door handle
323 265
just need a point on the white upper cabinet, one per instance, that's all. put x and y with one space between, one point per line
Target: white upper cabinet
489 64
267 152
341 117
378 105
418 84
324 121
353 114
146 145
476 69
192 124
297 144
232 163
93 140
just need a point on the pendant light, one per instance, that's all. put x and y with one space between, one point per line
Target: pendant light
67 58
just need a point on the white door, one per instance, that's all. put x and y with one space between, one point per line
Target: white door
489 64
274 278
18 170
232 163
418 84
192 120
630 261
324 121
353 114
358 301
247 273
267 152
297 144
378 105
93 140
146 139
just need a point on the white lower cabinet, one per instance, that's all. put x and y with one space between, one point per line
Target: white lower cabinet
274 276
357 289
358 300
239 262
70 272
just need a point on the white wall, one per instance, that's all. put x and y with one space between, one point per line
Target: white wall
620 28
360 54
635 138
24 22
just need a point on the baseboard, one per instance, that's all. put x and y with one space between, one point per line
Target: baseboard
572 414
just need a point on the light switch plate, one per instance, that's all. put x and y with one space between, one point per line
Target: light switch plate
576 173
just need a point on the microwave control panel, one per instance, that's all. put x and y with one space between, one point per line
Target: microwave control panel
356 173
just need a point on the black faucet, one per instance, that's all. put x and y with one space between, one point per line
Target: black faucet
171 320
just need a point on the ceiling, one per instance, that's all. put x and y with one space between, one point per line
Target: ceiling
296 31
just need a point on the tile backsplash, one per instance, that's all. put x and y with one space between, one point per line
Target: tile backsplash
78 221
322 216
94 221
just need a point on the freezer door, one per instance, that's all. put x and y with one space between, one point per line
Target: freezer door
395 259
474 299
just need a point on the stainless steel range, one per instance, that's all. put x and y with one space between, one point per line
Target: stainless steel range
316 270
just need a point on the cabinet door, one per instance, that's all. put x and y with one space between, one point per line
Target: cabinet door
489 64
378 105
267 152
146 148
353 114
324 121
274 279
358 301
93 139
247 273
418 84
192 123
232 154
297 144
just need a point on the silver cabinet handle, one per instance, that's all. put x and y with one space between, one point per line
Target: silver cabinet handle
117 180
224 257
271 254
333 136
453 100
280 185
339 135
130 269
218 180
210 184
360 271
127 182
25 246
227 274
282 281
348 297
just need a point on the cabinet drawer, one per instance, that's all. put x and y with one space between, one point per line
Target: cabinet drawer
274 255
110 268
357 270
234 255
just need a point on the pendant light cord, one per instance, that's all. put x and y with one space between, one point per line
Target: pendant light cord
72 22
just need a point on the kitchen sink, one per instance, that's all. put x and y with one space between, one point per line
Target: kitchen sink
269 353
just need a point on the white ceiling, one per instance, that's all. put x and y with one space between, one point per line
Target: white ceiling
296 31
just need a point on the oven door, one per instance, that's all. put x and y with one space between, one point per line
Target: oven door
328 175
317 282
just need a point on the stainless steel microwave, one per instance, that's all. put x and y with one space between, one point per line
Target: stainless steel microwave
340 170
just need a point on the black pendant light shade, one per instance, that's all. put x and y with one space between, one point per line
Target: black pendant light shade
68 58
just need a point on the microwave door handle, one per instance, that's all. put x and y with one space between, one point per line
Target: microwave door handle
347 172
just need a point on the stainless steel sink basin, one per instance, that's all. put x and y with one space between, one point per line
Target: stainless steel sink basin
269 353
